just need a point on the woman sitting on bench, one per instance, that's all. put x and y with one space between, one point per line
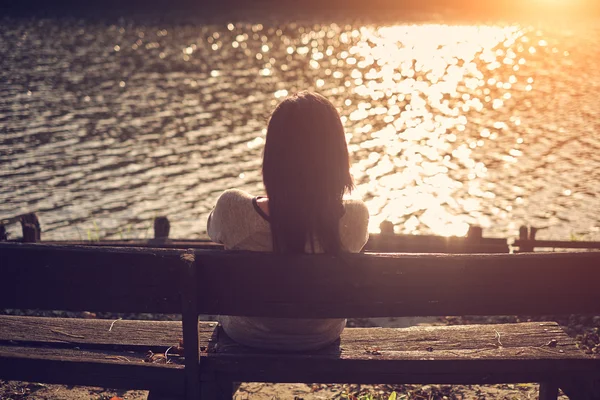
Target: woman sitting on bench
305 174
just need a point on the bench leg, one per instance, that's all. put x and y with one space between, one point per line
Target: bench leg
582 389
219 389
154 395
548 391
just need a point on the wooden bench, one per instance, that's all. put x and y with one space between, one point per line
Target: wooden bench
111 353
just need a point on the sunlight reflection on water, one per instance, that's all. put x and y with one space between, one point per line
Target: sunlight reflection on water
419 71
106 126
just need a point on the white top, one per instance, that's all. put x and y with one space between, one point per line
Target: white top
239 224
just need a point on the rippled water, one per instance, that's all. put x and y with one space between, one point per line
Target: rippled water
105 125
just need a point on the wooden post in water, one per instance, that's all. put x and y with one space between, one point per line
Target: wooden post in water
474 234
3 233
524 236
532 231
30 224
162 227
386 228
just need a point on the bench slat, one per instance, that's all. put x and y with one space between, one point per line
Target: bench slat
443 341
385 285
97 333
83 278
124 370
455 354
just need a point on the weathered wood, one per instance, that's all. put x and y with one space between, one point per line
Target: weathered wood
38 276
30 224
525 245
384 285
376 243
457 354
152 243
125 370
387 242
434 244
496 341
98 333
190 328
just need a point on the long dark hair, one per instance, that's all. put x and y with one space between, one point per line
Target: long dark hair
306 173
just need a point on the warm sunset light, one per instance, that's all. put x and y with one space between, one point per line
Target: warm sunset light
450 120
568 6
317 199
441 74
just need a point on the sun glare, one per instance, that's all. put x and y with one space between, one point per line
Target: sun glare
412 166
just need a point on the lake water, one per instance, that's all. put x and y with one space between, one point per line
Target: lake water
105 124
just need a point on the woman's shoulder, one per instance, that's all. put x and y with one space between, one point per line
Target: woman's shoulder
234 196
356 209
354 225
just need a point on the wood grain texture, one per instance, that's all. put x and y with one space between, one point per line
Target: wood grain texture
97 333
190 329
85 367
446 354
385 285
46 277
376 242
456 354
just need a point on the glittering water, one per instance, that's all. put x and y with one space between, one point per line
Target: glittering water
105 125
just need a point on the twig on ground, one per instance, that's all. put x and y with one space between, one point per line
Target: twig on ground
167 355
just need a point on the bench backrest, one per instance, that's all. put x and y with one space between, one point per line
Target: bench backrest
77 278
392 285
312 286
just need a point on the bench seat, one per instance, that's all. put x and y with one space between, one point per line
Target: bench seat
88 352
462 354
106 353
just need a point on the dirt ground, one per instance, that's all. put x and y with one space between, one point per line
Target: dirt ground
261 391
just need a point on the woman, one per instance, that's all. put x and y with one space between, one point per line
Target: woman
305 173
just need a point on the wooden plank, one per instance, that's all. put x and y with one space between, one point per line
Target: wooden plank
457 354
98 333
385 285
152 243
558 244
434 244
121 370
439 342
46 277
377 243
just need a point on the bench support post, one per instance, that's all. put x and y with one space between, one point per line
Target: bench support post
548 391
582 389
218 389
190 328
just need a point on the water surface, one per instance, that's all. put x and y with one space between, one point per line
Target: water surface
106 124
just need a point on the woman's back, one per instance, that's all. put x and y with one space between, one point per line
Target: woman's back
240 224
